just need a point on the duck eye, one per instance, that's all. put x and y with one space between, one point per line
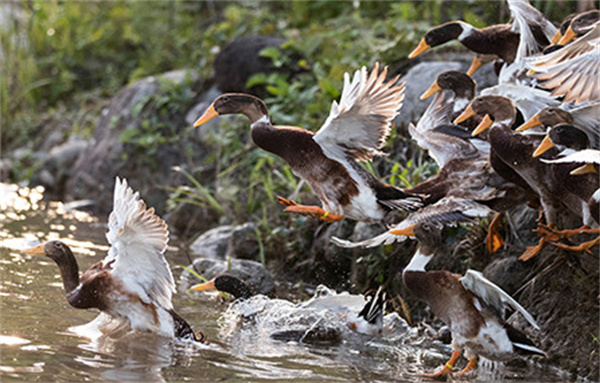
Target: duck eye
225 99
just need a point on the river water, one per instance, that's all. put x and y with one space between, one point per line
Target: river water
37 345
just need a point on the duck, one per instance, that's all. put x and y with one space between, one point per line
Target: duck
579 25
527 34
471 306
363 314
584 118
327 160
572 71
515 152
133 283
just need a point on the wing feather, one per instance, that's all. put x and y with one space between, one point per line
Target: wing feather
526 19
475 282
361 122
138 239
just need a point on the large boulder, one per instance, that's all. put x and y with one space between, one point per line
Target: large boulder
141 136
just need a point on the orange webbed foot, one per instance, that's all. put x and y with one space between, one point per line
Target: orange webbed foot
446 370
471 365
532 251
313 211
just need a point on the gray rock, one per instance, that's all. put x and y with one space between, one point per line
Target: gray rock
243 243
254 274
213 243
147 166
509 273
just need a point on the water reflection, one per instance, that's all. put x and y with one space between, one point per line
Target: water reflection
39 341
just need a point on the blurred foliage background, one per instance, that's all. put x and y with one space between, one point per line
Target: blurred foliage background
73 52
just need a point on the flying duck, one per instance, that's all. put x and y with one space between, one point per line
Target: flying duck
363 314
133 283
527 34
471 306
355 130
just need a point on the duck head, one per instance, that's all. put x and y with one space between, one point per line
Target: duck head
460 83
550 116
64 258
235 103
580 25
563 136
494 108
438 36
228 284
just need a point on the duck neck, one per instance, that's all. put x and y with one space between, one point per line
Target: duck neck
69 271
495 40
419 261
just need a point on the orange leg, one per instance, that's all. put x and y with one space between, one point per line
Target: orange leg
582 247
471 365
313 211
447 369
493 240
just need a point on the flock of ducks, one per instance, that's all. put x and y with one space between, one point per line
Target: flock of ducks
492 156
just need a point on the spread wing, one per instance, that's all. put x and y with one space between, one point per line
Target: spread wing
138 239
440 146
448 211
528 100
573 70
493 295
361 122
534 29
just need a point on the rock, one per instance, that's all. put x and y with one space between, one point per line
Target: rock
242 243
140 140
241 59
508 273
186 219
254 274
213 243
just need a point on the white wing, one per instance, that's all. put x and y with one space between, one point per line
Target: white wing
448 211
525 19
528 100
361 122
493 295
138 240
588 156
573 70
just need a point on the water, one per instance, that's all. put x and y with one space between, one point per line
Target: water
36 344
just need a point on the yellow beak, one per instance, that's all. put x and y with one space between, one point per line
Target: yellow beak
532 123
467 113
483 125
568 36
544 146
407 231
585 169
419 49
207 116
556 38
433 89
475 64
37 250
208 286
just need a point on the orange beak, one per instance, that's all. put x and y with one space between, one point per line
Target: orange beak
544 146
407 231
532 123
556 38
483 125
37 250
433 89
568 36
585 169
467 113
208 286
207 116
419 49
475 64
